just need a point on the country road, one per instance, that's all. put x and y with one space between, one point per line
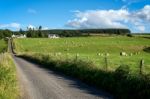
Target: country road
40 83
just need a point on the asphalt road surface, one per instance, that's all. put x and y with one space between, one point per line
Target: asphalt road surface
39 83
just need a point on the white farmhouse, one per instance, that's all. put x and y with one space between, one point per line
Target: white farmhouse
19 36
53 36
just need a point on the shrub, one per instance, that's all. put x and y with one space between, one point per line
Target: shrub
129 35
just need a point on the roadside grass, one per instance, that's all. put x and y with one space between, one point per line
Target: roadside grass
121 82
8 80
3 46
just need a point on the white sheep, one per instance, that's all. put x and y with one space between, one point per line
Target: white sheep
99 54
123 54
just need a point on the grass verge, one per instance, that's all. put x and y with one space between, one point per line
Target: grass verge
8 79
3 46
121 83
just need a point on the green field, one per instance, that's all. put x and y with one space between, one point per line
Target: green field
92 49
3 46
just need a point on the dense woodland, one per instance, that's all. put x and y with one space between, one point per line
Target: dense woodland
36 33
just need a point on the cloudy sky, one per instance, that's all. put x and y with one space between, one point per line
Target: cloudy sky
72 14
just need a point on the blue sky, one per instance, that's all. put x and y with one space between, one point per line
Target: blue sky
51 14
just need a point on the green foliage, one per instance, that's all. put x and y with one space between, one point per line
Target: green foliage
129 35
5 33
31 33
147 49
71 33
122 72
3 46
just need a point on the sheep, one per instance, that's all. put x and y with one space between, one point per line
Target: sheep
59 53
102 54
131 54
99 54
123 54
107 54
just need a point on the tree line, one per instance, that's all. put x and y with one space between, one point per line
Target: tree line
5 33
75 33
39 33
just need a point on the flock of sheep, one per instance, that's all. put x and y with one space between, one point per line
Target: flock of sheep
121 54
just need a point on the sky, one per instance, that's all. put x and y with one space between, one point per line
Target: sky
75 14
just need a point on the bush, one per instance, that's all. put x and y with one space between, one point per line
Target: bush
129 35
122 72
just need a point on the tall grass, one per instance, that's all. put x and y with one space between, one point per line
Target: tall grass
121 82
3 46
8 79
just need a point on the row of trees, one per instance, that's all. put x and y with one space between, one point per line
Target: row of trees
86 32
36 33
5 33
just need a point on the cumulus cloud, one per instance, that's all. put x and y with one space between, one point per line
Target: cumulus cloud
11 25
100 19
31 26
144 13
111 19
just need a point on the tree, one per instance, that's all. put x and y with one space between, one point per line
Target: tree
40 27
21 31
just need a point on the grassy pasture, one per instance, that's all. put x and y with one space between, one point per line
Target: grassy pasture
92 49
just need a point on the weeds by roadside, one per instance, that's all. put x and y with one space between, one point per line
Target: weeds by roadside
8 79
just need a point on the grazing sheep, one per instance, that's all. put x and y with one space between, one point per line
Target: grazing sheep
123 54
77 54
131 54
99 54
107 54
59 53
102 54
138 52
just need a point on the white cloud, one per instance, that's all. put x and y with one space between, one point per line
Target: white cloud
45 28
32 11
141 28
121 18
31 26
100 19
144 13
11 25
130 2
